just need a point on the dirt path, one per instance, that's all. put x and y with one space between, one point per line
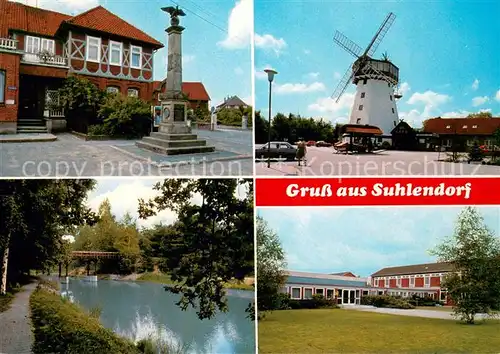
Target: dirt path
15 324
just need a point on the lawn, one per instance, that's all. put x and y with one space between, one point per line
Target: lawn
436 308
165 279
349 331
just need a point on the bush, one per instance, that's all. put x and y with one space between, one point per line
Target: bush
386 145
60 326
386 301
423 301
97 129
317 302
125 116
233 117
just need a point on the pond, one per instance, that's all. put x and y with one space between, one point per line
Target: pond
140 310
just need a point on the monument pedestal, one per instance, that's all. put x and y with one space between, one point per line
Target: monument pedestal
174 138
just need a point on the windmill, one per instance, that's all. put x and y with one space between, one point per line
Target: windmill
376 82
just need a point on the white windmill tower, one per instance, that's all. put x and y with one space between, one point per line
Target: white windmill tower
376 82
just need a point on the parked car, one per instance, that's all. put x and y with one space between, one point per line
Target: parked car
322 143
311 143
279 149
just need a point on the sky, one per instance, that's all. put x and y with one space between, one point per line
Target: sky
124 195
448 54
216 42
364 240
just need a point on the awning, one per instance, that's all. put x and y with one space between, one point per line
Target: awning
368 130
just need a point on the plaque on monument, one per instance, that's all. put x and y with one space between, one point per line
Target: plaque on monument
179 113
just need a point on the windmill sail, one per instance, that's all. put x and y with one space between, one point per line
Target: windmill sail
372 47
343 84
347 44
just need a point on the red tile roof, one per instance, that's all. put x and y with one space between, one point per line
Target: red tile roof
415 269
102 20
195 90
16 16
463 126
29 19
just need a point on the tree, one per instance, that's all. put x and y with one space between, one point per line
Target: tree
271 266
34 215
212 241
480 115
474 252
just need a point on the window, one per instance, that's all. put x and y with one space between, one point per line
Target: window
295 293
376 282
2 86
398 282
32 45
427 281
392 110
358 121
448 126
365 81
133 92
474 126
442 296
390 97
112 89
386 282
362 95
360 107
115 53
308 293
464 127
412 282
135 57
319 291
48 45
93 50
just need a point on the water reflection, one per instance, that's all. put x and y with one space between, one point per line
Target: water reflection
146 310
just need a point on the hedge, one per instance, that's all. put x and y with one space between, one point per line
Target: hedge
386 301
60 326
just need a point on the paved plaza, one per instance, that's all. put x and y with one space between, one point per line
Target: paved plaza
322 161
71 156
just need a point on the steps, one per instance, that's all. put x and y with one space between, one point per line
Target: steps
32 125
174 139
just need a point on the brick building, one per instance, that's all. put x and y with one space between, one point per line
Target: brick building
195 92
408 280
463 132
39 48
423 280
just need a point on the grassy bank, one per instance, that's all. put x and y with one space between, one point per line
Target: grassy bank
165 279
350 331
60 326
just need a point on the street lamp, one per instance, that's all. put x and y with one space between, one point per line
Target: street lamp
270 77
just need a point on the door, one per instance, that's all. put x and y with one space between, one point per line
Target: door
30 98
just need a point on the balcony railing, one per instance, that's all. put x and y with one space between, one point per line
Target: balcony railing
7 43
55 60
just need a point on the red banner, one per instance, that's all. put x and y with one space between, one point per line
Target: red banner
377 191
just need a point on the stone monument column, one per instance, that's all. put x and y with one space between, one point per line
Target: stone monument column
174 105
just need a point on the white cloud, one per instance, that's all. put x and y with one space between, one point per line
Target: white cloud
71 7
312 75
337 75
429 98
475 84
404 88
307 51
497 96
329 105
299 88
269 42
238 71
480 100
186 59
240 26
124 197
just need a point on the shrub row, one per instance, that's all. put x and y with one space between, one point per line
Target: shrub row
386 301
316 302
60 326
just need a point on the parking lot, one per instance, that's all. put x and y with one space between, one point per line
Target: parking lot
322 161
